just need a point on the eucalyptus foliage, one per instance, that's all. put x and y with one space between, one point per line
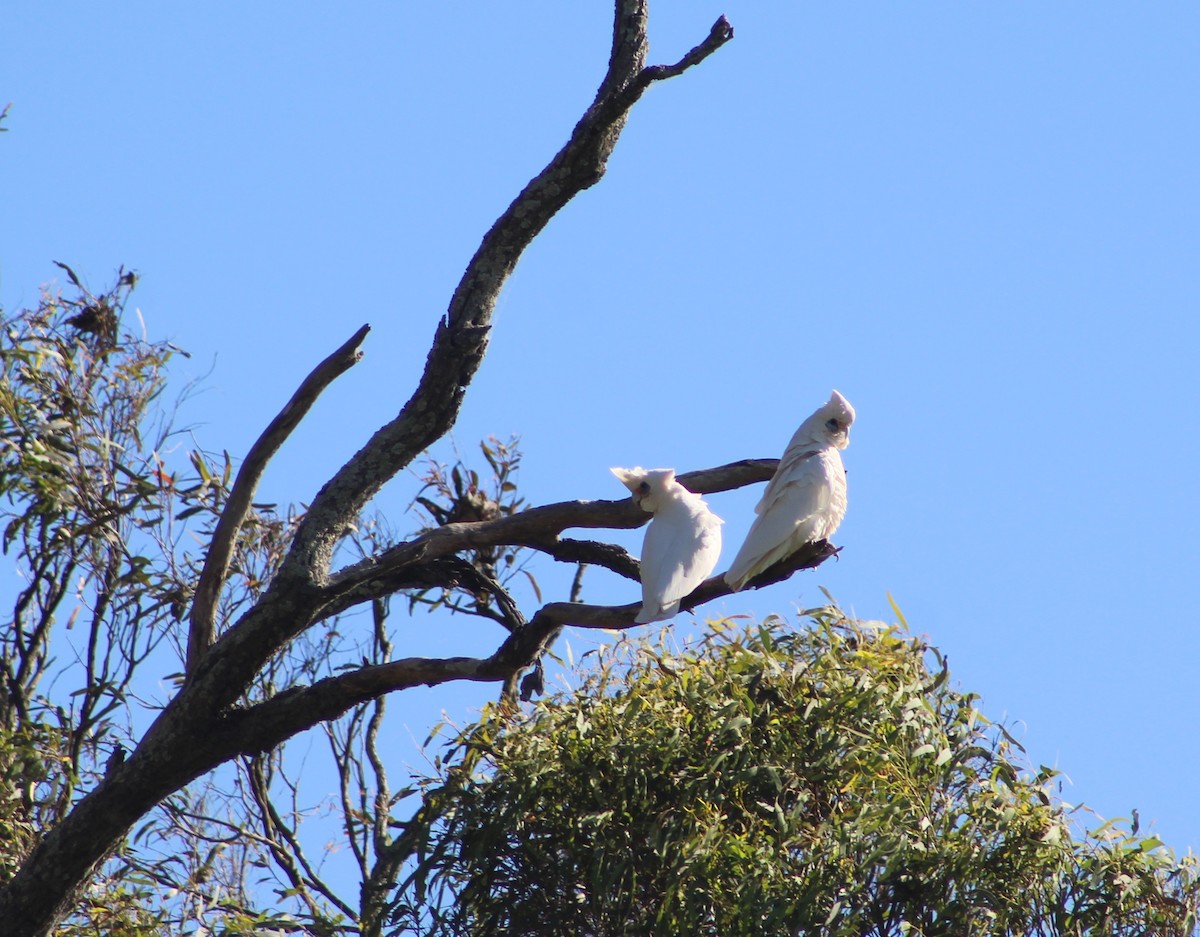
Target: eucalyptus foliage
825 781
98 521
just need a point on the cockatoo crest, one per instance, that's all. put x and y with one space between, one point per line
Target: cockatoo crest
830 425
648 486
805 499
682 543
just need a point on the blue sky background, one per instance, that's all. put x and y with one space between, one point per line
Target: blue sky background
977 221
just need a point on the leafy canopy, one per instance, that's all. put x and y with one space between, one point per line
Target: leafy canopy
771 781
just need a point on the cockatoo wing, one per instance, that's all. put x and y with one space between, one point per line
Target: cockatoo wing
800 465
797 507
680 551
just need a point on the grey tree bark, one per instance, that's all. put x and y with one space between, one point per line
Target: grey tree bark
203 726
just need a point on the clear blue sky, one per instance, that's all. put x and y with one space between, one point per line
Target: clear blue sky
980 222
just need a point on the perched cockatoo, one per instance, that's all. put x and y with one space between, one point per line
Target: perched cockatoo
805 499
682 543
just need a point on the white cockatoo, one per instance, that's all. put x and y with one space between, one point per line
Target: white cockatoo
682 543
806 497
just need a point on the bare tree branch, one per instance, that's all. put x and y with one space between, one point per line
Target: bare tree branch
376 883
265 725
721 33
590 553
576 594
237 507
280 839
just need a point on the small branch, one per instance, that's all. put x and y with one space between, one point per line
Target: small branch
509 613
237 507
590 553
443 572
729 476
576 594
343 757
383 796
281 841
721 33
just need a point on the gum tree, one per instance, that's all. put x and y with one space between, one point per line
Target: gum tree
242 608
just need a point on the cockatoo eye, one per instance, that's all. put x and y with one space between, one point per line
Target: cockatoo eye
644 488
832 425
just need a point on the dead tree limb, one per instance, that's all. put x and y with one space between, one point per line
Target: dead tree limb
237 507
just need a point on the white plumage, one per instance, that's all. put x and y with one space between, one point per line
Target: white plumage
682 543
806 497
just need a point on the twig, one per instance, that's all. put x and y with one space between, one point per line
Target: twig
288 854
576 593
721 33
